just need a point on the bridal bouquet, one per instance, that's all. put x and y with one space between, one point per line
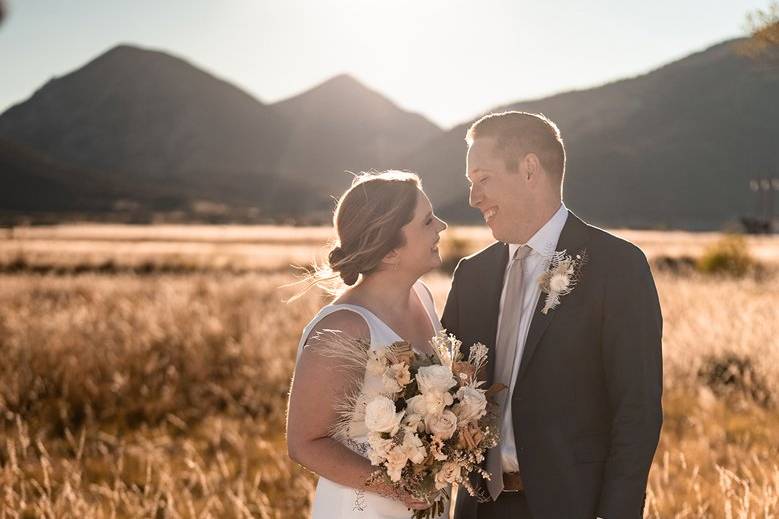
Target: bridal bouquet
425 417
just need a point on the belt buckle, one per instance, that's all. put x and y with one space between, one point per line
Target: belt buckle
515 481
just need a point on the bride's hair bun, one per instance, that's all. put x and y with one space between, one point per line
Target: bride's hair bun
336 255
337 262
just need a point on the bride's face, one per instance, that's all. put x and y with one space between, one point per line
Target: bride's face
422 233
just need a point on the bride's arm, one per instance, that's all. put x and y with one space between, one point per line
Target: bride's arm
319 384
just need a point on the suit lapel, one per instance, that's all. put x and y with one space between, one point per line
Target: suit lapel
493 300
572 238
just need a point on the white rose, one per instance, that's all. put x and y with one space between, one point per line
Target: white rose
413 448
449 474
559 282
435 379
380 416
443 425
416 405
472 405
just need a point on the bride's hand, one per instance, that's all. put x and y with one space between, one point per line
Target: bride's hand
412 502
401 495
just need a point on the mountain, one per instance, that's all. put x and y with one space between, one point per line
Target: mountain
342 125
672 148
159 122
33 183
156 119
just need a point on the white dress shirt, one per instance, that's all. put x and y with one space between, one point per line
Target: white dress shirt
543 245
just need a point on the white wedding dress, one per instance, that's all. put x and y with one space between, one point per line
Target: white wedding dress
334 501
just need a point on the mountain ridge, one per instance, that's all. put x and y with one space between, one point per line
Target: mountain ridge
672 147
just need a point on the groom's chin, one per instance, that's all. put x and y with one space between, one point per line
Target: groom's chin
496 234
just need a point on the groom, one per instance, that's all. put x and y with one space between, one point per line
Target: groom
581 416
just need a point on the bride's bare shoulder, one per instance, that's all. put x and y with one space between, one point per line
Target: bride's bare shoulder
346 321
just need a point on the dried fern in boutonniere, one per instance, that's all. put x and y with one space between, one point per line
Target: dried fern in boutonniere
560 278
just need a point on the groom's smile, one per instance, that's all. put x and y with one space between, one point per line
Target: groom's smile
489 214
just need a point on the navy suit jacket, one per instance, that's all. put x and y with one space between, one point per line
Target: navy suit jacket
587 400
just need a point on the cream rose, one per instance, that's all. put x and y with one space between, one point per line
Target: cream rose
442 425
416 405
472 405
380 416
435 379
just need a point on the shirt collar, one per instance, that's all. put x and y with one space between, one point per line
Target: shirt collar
545 239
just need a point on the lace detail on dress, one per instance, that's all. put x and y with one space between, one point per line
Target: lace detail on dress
360 448
359 501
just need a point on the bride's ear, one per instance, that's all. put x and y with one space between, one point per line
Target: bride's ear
391 259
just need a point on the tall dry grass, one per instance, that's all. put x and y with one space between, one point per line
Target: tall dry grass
164 396
147 397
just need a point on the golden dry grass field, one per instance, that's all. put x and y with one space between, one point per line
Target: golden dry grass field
144 372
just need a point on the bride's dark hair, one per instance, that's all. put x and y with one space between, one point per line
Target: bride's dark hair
368 220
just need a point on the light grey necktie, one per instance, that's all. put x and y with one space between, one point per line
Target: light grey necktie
506 352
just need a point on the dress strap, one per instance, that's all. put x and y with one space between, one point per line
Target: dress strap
330 309
426 297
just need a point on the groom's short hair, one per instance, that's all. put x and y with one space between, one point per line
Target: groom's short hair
520 133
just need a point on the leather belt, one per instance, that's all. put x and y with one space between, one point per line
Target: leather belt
512 482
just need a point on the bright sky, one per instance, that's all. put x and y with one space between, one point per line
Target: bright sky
447 59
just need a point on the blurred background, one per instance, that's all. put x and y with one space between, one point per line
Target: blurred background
164 166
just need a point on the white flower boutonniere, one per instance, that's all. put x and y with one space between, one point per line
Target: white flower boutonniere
560 278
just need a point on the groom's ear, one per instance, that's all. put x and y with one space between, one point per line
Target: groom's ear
531 165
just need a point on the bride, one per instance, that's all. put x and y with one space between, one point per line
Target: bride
388 237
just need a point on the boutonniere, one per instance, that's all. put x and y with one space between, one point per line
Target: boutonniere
560 278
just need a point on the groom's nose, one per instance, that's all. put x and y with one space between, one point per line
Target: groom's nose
474 196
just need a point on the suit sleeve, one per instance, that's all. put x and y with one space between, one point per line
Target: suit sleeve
632 362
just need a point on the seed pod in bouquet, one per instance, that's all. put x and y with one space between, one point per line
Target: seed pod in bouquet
464 372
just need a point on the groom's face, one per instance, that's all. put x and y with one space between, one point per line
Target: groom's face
502 196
